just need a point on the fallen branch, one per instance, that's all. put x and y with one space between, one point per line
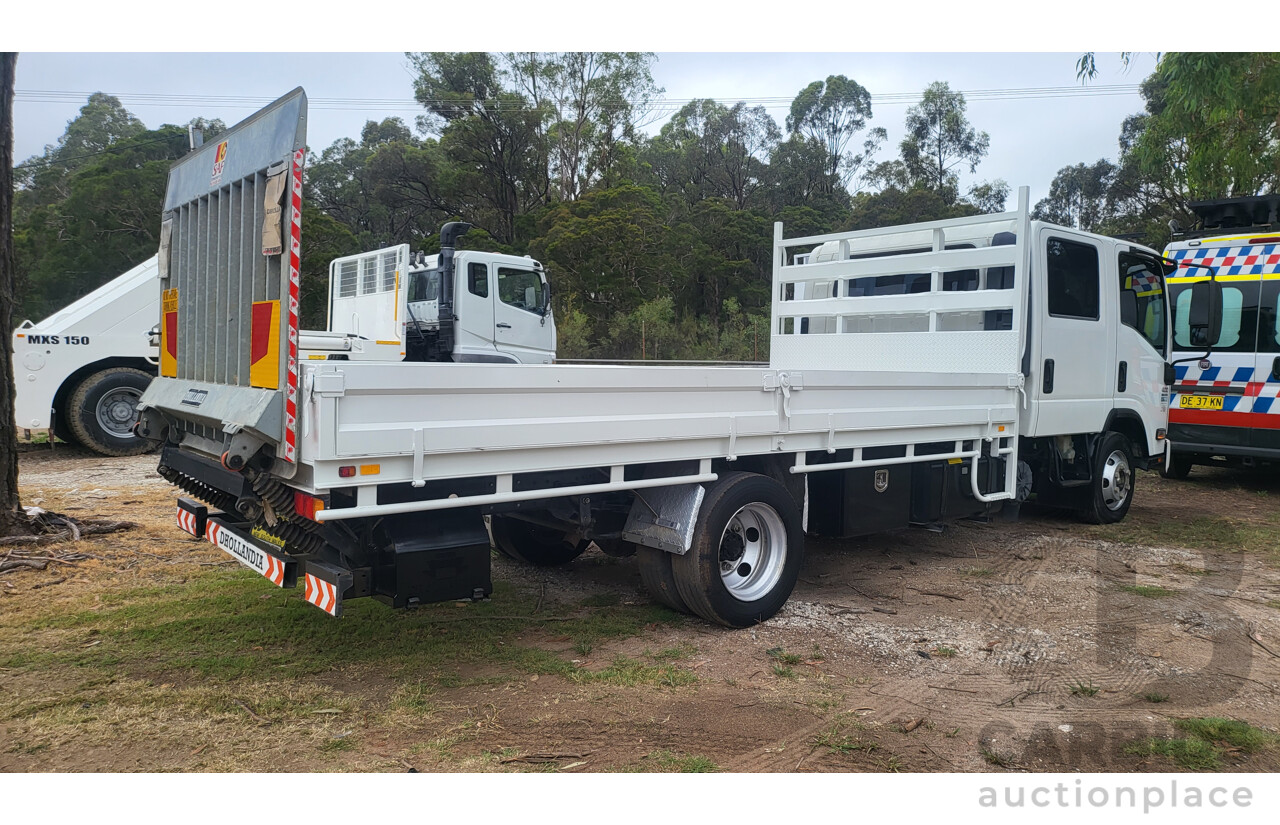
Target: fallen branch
1261 645
543 758
936 593
16 564
957 690
49 583
249 711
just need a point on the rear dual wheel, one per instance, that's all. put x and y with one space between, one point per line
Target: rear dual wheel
533 543
745 558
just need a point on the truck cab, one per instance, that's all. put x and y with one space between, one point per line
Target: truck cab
386 305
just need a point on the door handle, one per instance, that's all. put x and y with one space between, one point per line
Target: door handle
1046 386
1124 376
504 326
1275 368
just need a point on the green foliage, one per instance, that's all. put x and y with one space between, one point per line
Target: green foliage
830 113
91 224
1078 196
940 139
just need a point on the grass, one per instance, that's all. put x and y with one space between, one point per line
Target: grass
1208 741
239 656
1079 688
1148 591
782 657
842 736
979 572
992 758
783 672
224 625
1198 532
1155 698
944 652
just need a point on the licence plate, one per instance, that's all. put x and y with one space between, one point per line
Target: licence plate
1201 402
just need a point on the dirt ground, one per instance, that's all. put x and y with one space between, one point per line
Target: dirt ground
1041 644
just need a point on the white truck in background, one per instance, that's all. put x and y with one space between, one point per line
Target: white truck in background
80 372
917 374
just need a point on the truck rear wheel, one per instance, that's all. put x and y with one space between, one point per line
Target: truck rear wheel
103 408
533 543
747 549
658 578
1111 491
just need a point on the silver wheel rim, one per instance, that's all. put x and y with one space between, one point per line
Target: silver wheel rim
117 410
753 551
1117 480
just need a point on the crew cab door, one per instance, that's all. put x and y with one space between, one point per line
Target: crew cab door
1141 339
1075 374
522 322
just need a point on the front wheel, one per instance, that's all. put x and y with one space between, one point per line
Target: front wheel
533 543
103 408
1111 491
748 545
1178 467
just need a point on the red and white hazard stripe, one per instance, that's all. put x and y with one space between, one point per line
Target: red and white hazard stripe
295 244
322 594
211 529
187 522
275 571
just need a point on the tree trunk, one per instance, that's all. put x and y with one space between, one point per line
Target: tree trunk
10 508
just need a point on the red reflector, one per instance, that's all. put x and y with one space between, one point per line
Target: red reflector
346 472
307 505
1272 239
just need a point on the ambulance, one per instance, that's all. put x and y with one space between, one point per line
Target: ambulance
1224 409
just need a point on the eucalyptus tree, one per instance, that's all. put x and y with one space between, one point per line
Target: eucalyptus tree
941 140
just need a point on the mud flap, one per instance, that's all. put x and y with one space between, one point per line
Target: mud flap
325 585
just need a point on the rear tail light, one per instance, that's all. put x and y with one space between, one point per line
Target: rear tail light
306 504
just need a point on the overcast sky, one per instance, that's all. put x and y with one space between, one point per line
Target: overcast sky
1040 121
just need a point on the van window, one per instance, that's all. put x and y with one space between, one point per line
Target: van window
1073 279
1269 318
1142 298
1239 318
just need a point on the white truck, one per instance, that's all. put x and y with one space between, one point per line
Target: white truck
80 372
917 374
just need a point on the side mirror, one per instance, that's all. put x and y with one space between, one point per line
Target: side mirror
1170 375
1205 315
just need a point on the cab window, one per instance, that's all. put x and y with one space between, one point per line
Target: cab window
1142 298
478 279
1073 279
521 289
425 286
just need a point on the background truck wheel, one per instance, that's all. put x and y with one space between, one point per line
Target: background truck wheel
533 543
659 580
103 408
1111 492
747 548
1179 466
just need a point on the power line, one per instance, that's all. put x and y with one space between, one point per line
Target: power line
672 104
